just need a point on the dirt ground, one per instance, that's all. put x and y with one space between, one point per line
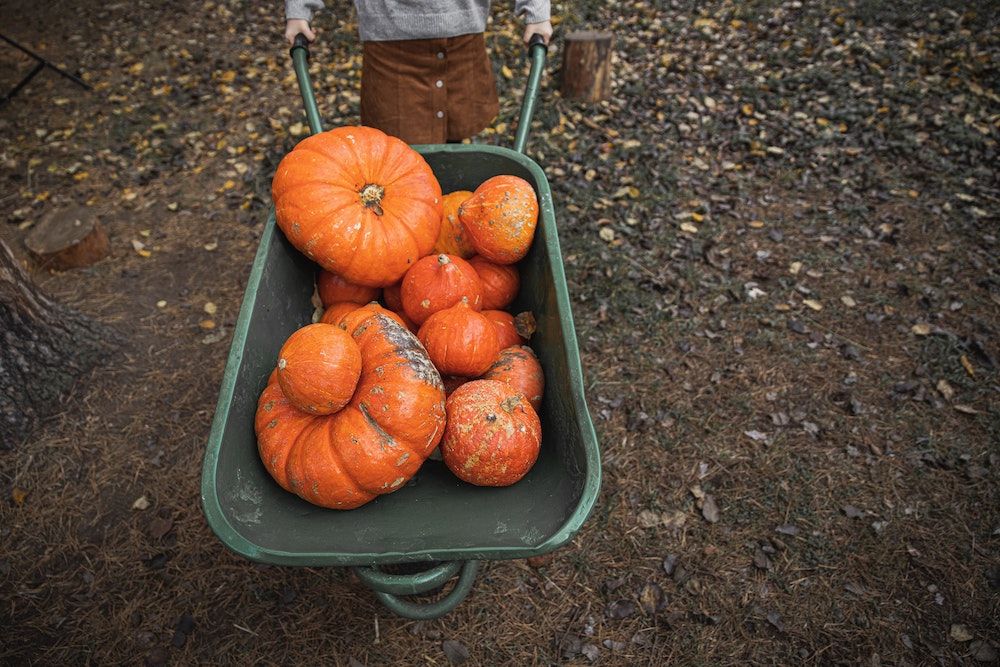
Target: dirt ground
781 243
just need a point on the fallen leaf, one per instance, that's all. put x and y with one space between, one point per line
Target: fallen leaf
161 304
960 633
852 512
812 303
755 435
649 519
794 268
651 599
207 324
967 365
211 245
774 618
507 74
848 301
620 609
454 651
210 308
967 409
945 389
160 526
689 228
18 494
607 234
921 329
140 503
709 509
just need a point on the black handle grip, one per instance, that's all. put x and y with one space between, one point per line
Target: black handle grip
301 42
537 40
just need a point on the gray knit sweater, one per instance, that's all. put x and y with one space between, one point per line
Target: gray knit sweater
384 20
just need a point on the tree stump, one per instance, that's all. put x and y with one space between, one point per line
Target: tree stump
68 239
44 348
586 68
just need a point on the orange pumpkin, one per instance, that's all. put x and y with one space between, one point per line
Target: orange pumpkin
519 367
506 329
501 217
493 435
318 368
332 289
390 295
360 203
336 311
437 282
453 239
500 282
460 341
376 442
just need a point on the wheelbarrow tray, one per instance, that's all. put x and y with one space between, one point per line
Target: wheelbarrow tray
436 517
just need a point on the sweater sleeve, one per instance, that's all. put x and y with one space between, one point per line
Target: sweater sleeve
534 11
301 9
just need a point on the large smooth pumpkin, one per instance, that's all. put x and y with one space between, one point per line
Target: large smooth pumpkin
360 203
437 282
318 368
453 239
374 444
493 434
501 217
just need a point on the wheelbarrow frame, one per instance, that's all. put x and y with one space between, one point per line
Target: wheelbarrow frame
233 506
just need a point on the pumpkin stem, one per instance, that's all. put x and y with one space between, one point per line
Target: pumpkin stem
371 197
443 259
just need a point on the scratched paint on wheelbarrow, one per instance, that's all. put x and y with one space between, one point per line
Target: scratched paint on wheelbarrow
436 516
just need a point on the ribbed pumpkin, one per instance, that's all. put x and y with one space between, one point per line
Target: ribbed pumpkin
519 367
460 341
493 435
373 445
360 203
500 282
501 217
506 329
437 282
318 368
336 311
333 289
453 239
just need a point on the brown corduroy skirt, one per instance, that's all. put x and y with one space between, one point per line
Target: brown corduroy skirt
428 91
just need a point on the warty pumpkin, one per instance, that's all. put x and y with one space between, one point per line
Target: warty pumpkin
501 217
332 289
460 341
453 239
493 435
437 282
318 368
500 282
519 367
375 443
360 203
333 313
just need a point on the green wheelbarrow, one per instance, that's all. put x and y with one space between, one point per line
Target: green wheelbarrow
436 519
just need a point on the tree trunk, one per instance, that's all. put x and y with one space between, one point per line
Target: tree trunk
45 347
586 69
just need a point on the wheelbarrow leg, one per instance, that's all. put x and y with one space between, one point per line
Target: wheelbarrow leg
387 588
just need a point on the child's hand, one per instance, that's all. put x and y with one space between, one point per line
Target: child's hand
544 29
295 26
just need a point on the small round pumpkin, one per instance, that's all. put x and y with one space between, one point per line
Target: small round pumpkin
453 239
460 341
332 289
506 328
318 368
376 442
501 217
493 435
519 367
335 311
359 202
500 282
437 282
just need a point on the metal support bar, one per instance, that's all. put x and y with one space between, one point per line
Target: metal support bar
40 64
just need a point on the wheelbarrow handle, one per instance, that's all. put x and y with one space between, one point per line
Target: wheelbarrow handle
388 586
537 50
300 62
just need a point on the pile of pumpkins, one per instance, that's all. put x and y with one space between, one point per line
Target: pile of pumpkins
361 398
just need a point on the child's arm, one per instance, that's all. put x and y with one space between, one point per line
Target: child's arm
298 14
536 15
